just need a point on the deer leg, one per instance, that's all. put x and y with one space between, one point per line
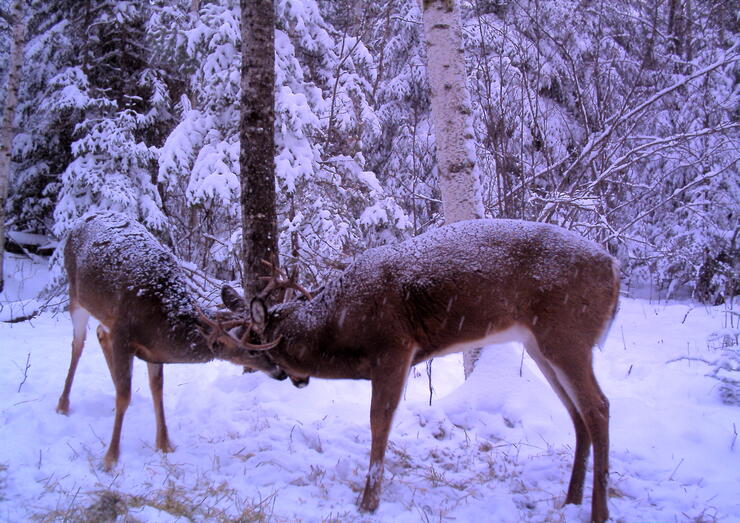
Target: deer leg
156 384
104 340
79 331
122 359
583 438
582 388
387 387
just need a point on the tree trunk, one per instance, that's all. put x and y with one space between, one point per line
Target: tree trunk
8 132
451 111
257 136
452 116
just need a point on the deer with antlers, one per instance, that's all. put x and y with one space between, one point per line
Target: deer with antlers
464 285
120 274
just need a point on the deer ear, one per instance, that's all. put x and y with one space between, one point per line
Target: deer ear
258 310
232 299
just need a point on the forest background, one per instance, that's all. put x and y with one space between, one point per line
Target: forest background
615 119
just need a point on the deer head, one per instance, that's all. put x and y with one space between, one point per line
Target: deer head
254 318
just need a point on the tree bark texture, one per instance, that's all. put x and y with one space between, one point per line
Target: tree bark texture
8 131
451 111
459 180
257 137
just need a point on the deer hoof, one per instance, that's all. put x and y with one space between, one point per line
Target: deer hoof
370 502
63 407
109 462
299 382
166 447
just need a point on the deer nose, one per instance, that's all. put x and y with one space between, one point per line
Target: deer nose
299 382
278 374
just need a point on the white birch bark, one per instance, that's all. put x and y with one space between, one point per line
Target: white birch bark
459 180
7 132
451 111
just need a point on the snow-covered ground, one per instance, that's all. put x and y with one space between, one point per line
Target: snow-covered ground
495 448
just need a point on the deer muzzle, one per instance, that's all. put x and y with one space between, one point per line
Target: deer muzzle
299 382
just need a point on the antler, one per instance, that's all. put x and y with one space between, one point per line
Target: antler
278 279
219 330
260 347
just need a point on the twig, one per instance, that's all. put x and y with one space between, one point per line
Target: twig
674 360
114 480
26 317
25 371
96 435
429 380
427 198
674 470
74 498
521 364
76 454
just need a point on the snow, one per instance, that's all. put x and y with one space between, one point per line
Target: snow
495 448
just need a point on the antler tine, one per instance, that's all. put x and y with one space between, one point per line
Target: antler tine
279 279
257 346
276 280
293 284
230 324
264 346
216 328
247 330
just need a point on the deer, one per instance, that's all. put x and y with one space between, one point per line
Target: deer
460 286
121 275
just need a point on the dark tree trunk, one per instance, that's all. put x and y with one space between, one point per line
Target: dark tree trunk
257 136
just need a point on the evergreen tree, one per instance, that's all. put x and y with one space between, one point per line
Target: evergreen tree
124 103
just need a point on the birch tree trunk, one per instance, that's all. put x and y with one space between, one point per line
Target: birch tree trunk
459 180
451 111
8 132
257 137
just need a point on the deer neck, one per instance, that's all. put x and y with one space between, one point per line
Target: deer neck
177 340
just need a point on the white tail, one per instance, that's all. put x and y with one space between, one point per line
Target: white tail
120 274
463 285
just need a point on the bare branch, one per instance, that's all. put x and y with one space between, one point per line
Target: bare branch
673 195
25 371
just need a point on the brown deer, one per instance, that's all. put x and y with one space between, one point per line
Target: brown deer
120 274
464 285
